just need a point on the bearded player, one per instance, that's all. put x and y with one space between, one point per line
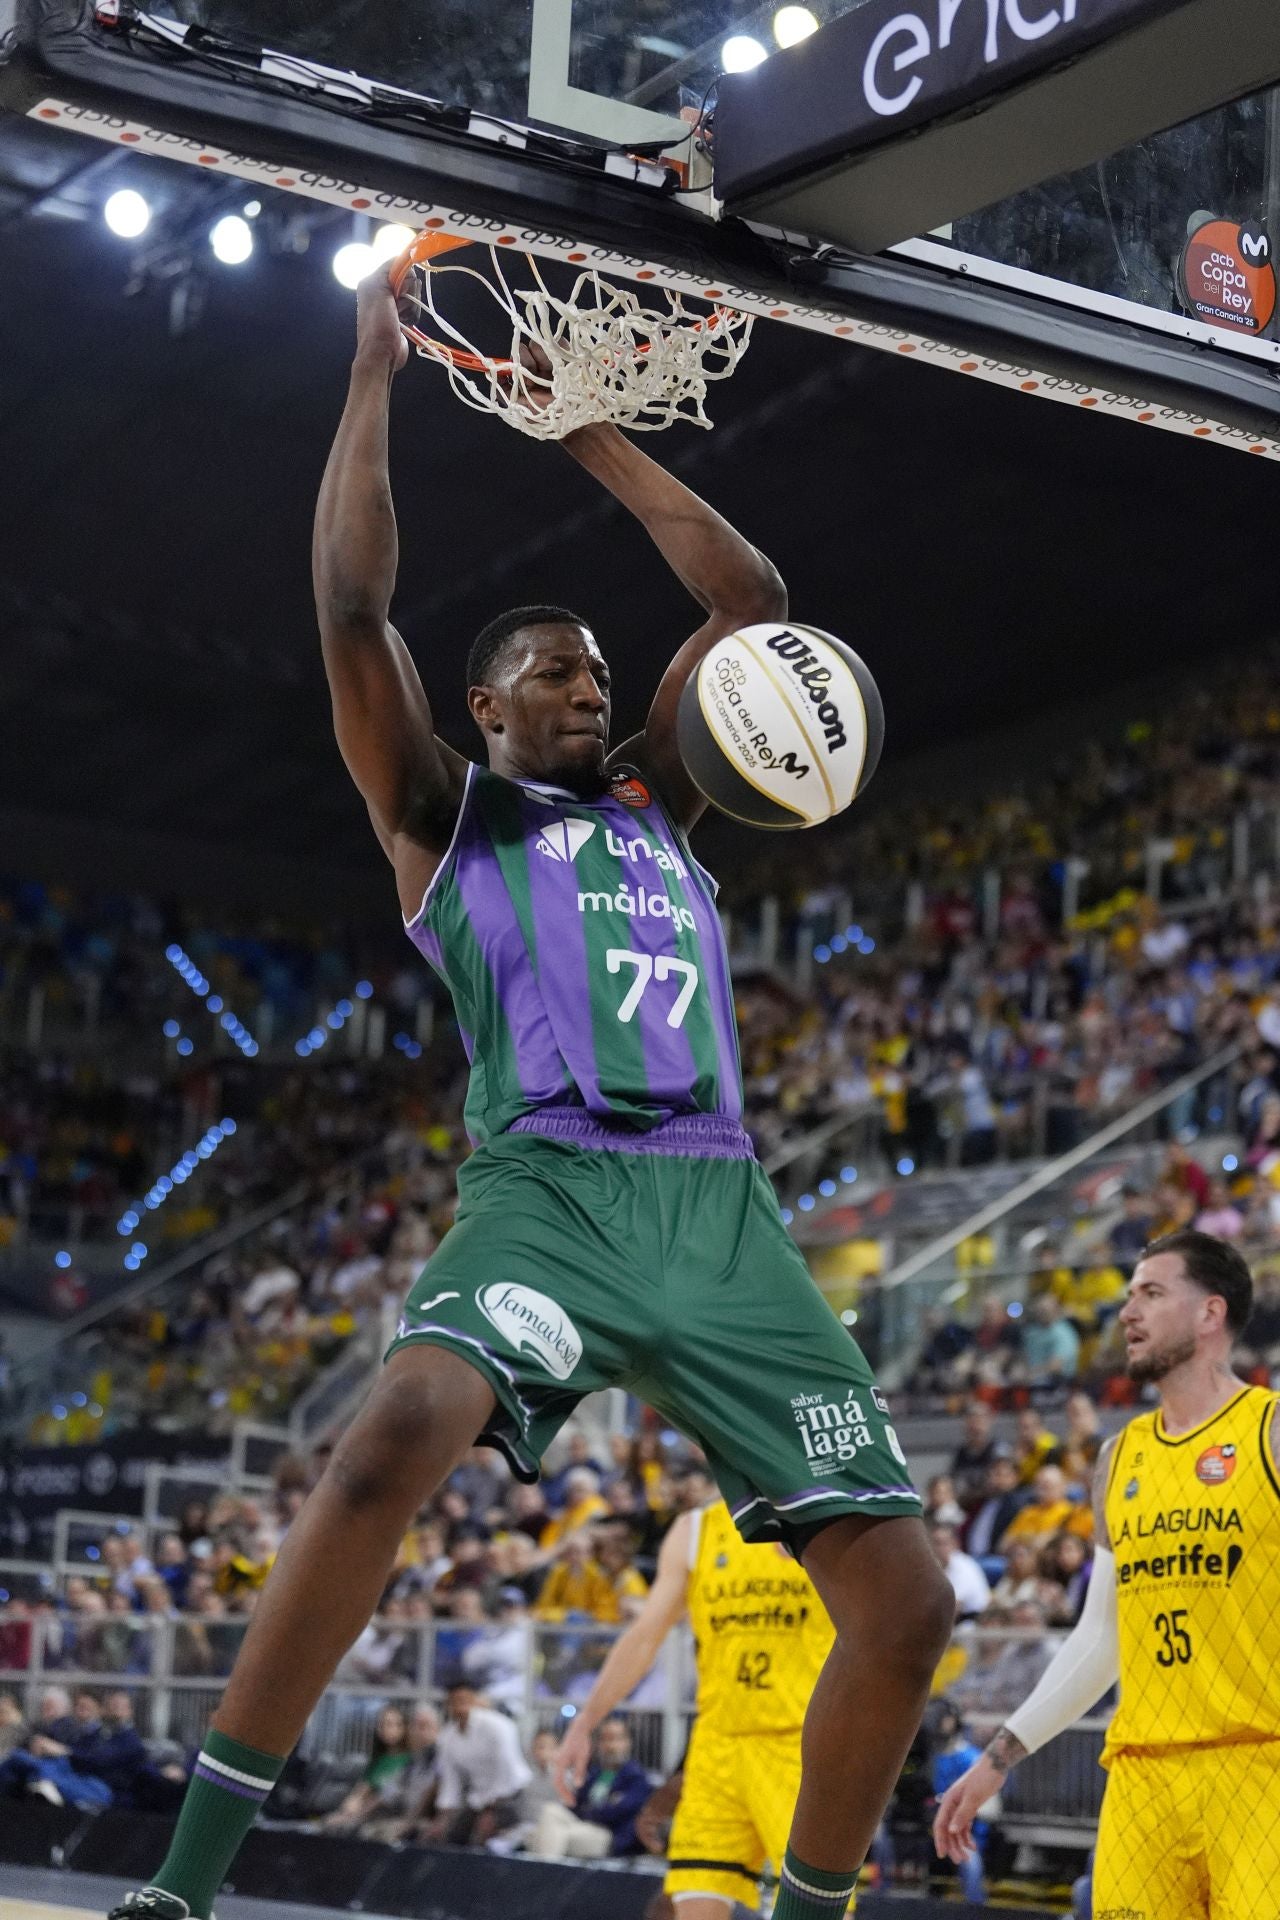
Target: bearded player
762 1636
1183 1609
614 1226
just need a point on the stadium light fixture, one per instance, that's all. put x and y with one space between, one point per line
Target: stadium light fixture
791 25
232 240
740 53
127 214
389 241
351 263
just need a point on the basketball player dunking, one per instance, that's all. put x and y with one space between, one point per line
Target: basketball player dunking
1183 1609
614 1226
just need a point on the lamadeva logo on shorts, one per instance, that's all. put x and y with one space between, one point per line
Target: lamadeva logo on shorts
531 1323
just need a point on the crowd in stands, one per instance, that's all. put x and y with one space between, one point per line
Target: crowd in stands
1059 1328
487 1562
1023 1035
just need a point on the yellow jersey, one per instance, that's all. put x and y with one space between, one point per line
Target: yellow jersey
1194 1523
762 1633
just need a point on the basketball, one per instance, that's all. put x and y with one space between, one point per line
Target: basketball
781 726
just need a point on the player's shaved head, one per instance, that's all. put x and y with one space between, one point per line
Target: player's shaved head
491 643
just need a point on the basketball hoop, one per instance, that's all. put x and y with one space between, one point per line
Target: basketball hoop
611 357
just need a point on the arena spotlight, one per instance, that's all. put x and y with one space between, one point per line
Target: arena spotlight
389 241
232 240
791 25
127 214
740 53
351 263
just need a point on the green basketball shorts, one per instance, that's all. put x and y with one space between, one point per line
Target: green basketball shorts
574 1267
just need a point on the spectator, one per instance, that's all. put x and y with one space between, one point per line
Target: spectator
979 1447
997 1342
1089 1294
55 1720
466 1625
1066 1562
527 1509
1033 1443
388 1760
615 1556
541 1791
113 1751
940 1501
1022 1658
947 1340
1220 1216
694 1487
13 1727
968 1582
377 1650
1081 1443
1131 1232
482 1480
1004 1497
46 1766
1050 1510
496 1662
482 1773
578 1456
407 1800
977 1116
1021 1580
174 1567
577 1586
127 1564
1185 1174
602 1821
1050 1344
583 1504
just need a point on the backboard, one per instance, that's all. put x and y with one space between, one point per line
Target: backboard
1141 285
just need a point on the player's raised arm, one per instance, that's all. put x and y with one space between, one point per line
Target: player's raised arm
1086 1666
410 781
732 580
631 1656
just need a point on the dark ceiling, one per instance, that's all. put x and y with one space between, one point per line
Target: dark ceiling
988 554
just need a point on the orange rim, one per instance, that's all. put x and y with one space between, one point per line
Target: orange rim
420 252
423 249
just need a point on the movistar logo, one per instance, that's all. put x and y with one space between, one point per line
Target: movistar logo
565 840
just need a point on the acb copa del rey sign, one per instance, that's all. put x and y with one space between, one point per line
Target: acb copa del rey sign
1227 275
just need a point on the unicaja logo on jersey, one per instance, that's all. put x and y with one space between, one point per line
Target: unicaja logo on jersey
565 840
531 1323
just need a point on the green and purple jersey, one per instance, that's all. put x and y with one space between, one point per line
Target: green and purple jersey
580 943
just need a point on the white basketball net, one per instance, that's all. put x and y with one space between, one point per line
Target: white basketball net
611 357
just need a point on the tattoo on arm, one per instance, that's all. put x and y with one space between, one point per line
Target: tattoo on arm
1004 1750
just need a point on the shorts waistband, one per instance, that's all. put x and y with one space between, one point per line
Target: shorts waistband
694 1136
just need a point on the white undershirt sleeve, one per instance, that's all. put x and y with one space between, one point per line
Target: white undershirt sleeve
1085 1666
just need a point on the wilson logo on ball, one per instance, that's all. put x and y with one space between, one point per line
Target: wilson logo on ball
816 681
780 725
